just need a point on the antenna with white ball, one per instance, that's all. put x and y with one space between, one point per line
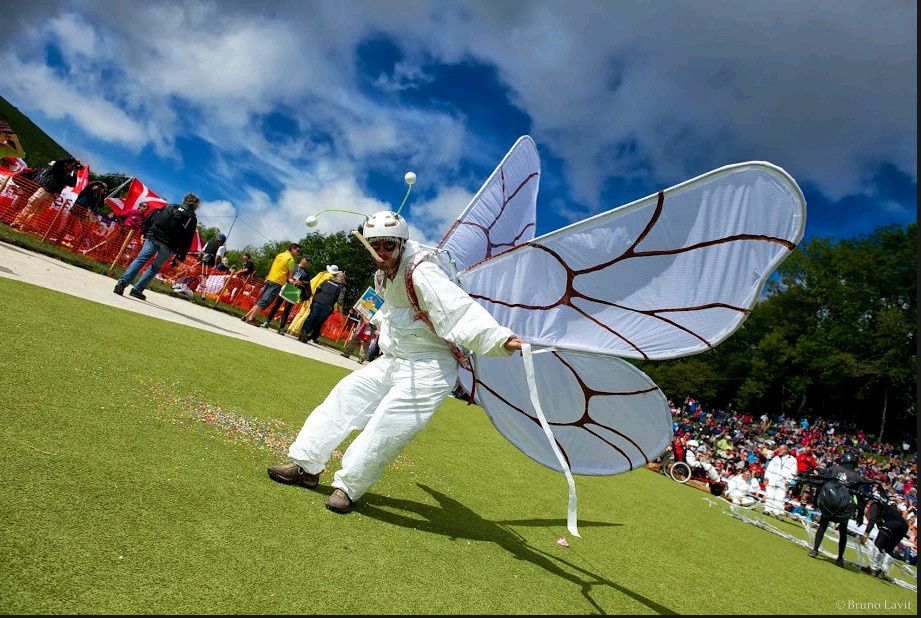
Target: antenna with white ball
410 179
312 220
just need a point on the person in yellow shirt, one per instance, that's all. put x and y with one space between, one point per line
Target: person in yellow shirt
324 275
281 272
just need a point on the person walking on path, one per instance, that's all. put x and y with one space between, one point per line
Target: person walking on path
168 233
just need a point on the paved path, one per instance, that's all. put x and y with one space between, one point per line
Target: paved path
24 265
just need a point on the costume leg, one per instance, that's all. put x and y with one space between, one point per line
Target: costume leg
347 408
842 539
416 390
820 533
882 543
295 327
768 499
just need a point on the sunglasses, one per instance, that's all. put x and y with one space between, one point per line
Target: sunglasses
385 245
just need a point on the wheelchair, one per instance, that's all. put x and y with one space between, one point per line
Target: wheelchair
680 472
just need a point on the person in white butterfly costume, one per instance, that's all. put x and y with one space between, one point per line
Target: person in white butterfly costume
393 398
669 275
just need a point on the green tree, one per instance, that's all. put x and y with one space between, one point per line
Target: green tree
207 233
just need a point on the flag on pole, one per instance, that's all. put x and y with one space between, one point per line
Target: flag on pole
83 179
138 193
69 194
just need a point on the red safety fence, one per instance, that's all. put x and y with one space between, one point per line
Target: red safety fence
27 207
337 327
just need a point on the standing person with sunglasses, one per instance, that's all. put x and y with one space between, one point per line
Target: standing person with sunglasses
424 320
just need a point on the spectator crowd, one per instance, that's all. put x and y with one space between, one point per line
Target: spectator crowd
757 458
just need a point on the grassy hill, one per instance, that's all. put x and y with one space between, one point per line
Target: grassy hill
39 146
134 482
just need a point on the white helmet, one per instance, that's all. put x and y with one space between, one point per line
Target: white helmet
386 224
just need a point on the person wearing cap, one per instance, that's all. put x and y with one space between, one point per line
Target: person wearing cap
168 233
696 456
425 318
280 273
329 294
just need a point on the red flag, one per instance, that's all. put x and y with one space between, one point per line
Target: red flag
196 243
83 179
137 194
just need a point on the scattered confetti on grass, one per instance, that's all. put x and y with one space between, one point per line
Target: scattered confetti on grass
274 435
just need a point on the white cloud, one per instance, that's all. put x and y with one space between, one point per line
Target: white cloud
827 94
405 76
658 92
39 87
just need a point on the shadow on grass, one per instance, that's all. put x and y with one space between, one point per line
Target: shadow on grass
455 521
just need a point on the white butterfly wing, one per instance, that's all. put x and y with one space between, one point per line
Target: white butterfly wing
606 415
666 276
502 214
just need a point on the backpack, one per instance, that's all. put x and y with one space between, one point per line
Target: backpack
148 223
834 500
170 226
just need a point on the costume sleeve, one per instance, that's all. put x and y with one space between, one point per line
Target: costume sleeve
377 318
457 317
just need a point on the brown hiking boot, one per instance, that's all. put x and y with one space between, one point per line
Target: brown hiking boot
339 502
293 474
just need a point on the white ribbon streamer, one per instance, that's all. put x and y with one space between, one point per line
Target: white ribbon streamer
527 356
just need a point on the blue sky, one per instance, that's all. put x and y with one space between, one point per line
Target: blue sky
273 110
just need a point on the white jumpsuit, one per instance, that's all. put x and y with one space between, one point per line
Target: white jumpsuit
393 398
691 458
778 474
740 491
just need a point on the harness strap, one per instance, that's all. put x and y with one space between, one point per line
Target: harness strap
419 314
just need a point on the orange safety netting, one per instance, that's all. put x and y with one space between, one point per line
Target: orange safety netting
27 207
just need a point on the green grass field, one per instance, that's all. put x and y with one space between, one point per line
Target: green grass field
133 458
